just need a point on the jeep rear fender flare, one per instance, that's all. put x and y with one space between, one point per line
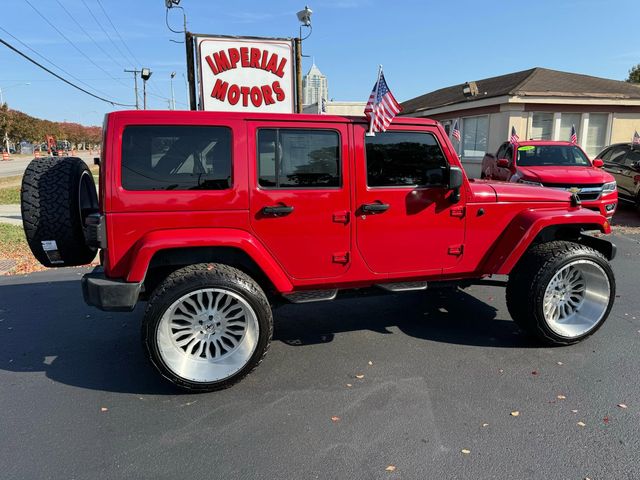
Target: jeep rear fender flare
526 226
151 243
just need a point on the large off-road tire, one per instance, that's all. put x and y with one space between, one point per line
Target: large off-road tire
207 326
56 196
561 292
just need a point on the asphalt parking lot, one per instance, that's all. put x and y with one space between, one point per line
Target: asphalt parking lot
79 400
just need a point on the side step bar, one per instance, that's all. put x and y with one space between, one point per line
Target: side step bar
307 296
403 286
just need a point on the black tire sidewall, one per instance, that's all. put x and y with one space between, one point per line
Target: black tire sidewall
160 302
542 282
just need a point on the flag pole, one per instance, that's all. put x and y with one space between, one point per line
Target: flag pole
371 133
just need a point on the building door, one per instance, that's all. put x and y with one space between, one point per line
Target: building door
299 200
405 218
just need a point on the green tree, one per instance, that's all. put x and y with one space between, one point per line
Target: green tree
634 74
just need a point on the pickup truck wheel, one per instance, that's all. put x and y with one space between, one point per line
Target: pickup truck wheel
57 194
207 326
561 292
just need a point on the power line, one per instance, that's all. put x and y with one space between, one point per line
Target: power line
71 43
104 31
62 78
53 64
88 35
118 33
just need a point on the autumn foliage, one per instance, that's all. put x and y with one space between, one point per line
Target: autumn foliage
19 126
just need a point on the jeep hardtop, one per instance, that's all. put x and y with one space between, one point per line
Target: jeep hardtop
215 218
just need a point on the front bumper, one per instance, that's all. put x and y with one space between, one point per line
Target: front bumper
109 294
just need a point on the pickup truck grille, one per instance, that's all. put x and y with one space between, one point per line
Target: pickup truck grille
585 192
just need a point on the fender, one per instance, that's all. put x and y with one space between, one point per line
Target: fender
152 242
524 228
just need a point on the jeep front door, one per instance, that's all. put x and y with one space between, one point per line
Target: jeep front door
299 203
406 219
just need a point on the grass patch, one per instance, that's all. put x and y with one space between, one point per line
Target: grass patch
11 236
13 246
14 181
9 195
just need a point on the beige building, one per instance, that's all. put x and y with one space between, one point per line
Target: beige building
540 103
332 107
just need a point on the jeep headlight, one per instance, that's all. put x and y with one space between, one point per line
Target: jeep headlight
609 187
528 182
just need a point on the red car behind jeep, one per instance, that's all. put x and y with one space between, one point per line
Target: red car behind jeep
561 165
215 218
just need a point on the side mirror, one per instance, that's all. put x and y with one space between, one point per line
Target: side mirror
455 182
598 163
503 162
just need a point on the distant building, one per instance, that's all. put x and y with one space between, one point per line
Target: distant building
541 104
332 107
314 86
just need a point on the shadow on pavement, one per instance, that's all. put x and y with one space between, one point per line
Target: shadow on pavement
46 327
447 316
626 216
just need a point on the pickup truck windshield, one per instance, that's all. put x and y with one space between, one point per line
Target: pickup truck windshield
558 155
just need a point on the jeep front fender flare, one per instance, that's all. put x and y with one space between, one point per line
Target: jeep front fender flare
524 228
145 248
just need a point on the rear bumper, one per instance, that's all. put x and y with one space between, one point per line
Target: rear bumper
109 294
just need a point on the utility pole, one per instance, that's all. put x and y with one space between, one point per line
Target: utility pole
145 74
135 84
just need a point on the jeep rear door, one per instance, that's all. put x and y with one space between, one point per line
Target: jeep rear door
405 218
299 200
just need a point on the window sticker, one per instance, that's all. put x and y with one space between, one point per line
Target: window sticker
526 148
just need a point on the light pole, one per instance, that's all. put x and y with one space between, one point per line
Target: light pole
145 73
6 135
173 97
304 17
135 72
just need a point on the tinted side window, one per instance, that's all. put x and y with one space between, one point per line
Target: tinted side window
501 151
176 158
290 158
616 154
508 153
404 158
633 157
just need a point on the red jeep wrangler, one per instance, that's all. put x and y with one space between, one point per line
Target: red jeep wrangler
217 217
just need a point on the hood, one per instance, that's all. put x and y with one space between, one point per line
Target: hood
520 192
564 175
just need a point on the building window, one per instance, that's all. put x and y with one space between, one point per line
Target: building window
541 126
596 133
566 121
475 131
290 158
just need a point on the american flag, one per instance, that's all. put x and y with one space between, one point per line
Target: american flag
381 108
574 136
456 131
514 136
636 138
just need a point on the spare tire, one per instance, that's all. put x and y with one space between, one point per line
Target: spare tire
57 195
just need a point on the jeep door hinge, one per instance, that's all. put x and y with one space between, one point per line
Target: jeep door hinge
457 211
342 257
456 249
341 217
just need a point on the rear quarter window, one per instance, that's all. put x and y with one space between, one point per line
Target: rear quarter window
176 158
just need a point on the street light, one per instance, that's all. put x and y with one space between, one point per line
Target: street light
11 86
304 17
173 98
145 74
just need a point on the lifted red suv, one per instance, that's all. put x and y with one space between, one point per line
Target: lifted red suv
217 217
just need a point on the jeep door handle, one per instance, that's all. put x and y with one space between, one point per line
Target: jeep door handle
375 207
277 210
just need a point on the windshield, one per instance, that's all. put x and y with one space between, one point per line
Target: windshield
560 155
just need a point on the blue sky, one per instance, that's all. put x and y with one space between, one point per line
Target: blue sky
423 45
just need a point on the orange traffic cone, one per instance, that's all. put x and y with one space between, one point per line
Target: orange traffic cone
60 153
37 153
73 152
5 156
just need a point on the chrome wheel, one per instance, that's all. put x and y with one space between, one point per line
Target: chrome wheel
576 298
207 335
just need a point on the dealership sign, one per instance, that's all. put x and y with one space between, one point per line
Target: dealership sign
243 74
